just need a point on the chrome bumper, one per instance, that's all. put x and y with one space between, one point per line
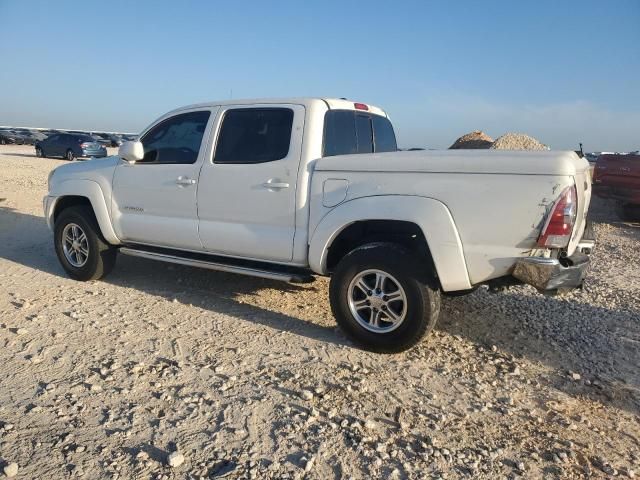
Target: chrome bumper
552 274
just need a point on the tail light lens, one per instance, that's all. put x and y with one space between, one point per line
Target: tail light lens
560 222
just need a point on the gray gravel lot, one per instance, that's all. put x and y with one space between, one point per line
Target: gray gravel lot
249 378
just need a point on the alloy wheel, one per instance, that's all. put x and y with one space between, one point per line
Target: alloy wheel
377 301
75 245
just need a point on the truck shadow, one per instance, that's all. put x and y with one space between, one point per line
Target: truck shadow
601 344
25 239
16 154
229 294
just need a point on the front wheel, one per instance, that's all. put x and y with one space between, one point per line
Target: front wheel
384 298
81 249
39 152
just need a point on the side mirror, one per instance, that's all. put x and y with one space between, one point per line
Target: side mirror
131 151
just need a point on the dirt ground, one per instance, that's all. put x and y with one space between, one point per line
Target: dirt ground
249 378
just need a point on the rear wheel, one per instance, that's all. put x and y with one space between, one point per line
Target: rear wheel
70 155
81 249
384 298
39 152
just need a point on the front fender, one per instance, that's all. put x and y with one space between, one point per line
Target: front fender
432 216
82 188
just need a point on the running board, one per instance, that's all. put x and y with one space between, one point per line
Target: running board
258 269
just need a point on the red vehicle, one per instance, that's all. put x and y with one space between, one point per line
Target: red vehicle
618 177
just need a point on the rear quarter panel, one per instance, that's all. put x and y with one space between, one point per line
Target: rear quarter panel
498 217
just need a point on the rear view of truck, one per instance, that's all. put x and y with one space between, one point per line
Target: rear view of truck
560 260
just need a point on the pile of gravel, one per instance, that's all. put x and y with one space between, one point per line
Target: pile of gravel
473 140
517 141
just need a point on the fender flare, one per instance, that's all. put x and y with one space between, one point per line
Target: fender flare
432 216
90 190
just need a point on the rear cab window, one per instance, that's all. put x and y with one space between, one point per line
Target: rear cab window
353 131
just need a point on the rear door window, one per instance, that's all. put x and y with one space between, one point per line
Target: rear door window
339 133
254 135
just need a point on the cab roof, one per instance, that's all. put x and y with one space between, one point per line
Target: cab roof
330 103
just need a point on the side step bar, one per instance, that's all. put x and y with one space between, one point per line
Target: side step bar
258 269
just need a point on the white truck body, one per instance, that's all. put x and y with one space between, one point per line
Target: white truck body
480 211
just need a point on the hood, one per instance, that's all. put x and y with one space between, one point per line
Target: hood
516 162
87 170
78 168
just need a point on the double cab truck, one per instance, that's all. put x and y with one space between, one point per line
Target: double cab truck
294 188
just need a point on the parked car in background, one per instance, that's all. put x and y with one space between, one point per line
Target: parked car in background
108 139
116 140
102 138
28 138
617 176
7 137
37 135
70 146
19 137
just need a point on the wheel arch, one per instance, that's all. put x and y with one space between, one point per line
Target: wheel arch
425 222
82 192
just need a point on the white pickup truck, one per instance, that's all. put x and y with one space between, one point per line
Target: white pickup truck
289 189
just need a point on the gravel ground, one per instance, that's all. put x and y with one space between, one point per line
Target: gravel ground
160 371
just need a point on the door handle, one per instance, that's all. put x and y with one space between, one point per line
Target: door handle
275 185
185 181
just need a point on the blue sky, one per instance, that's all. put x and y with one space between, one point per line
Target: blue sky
562 71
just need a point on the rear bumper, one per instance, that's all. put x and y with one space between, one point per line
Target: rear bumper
552 274
93 153
558 274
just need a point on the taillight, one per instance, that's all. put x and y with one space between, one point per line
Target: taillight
560 222
360 106
84 145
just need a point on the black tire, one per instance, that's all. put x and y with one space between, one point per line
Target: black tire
70 155
101 256
414 275
39 152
